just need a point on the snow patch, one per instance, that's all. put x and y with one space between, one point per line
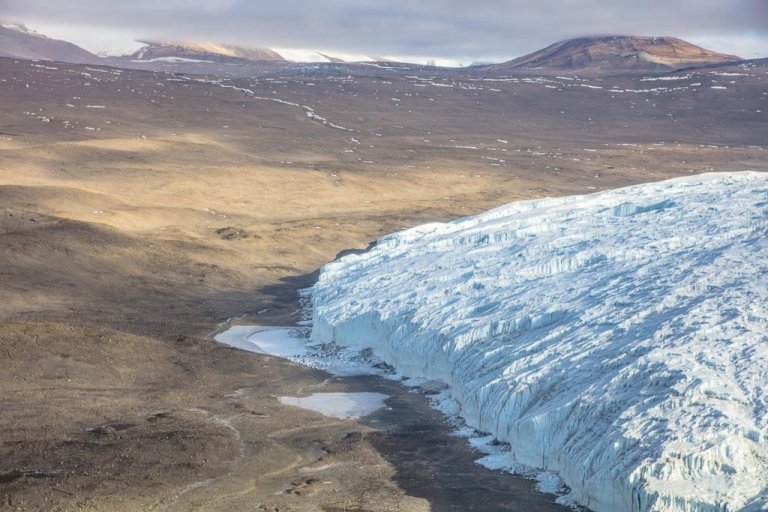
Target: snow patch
339 405
293 343
273 341
168 59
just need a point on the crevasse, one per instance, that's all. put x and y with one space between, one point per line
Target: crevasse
618 338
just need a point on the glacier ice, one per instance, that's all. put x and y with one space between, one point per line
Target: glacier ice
619 339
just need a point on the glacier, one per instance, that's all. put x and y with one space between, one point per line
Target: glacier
619 339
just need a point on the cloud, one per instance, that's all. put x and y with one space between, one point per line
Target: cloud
441 28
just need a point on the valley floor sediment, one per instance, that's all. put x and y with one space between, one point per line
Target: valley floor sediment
412 443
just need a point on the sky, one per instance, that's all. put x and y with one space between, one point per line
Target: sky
451 32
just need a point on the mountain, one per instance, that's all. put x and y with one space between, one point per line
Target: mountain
16 41
616 54
618 338
203 52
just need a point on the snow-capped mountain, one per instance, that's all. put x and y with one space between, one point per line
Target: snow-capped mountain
16 41
619 338
228 53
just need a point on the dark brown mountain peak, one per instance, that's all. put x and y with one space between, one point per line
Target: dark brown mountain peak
16 41
604 55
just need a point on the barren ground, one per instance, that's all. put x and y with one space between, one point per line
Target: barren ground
140 210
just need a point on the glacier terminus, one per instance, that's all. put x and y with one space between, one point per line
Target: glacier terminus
618 338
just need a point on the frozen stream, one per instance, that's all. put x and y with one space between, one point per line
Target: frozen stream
285 342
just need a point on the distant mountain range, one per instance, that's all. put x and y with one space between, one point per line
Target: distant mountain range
17 41
602 55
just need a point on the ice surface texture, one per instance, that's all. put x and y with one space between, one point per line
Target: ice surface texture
618 338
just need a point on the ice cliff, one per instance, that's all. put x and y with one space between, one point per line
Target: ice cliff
618 338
